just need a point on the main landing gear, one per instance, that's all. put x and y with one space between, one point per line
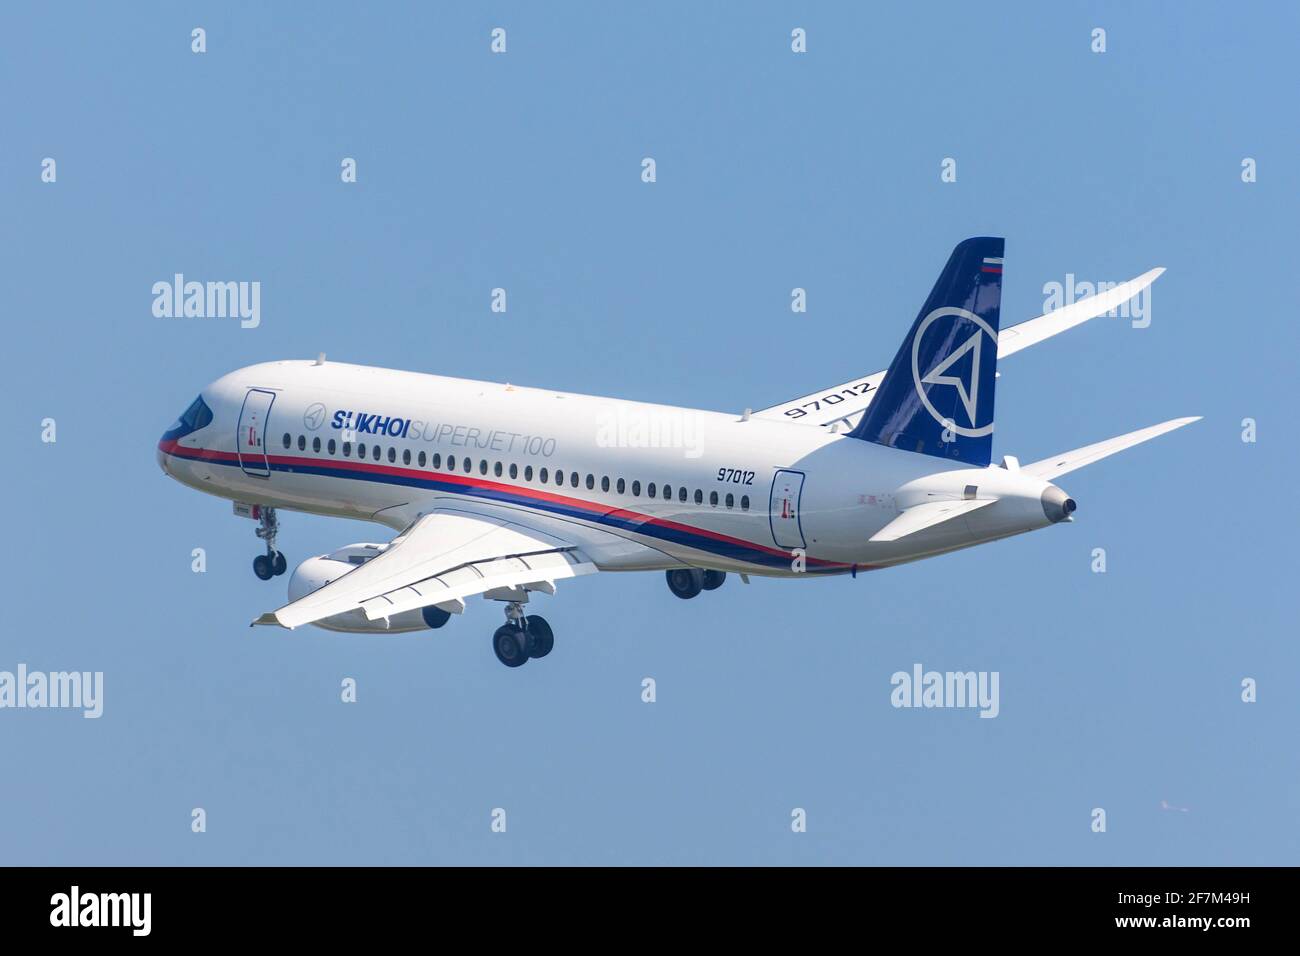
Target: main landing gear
273 563
686 583
522 637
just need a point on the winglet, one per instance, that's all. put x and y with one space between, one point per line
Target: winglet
267 618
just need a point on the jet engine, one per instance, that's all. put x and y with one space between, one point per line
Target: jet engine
314 573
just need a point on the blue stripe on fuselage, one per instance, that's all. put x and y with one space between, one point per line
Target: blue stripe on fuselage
648 526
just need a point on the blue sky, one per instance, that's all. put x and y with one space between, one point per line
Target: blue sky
775 170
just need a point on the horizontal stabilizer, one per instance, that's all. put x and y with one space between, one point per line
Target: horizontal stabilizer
919 517
1069 461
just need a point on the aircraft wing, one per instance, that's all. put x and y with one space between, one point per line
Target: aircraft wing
840 406
441 559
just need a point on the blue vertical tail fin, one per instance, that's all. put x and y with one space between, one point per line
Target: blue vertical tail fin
937 397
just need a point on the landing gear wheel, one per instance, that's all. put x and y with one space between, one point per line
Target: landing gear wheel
263 567
685 582
279 564
541 639
511 645
713 579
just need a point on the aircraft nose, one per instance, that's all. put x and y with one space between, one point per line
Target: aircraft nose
162 458
1057 505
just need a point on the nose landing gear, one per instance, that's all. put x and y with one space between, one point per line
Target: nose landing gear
273 563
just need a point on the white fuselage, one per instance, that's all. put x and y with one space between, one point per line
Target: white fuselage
640 486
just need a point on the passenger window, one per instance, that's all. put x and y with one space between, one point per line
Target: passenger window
392 456
713 498
514 470
636 489
421 460
744 502
668 492
347 449
573 479
482 466
466 465
406 456
621 486
375 453
451 462
496 469
559 477
315 444
302 443
650 492
361 450
287 440
731 500
543 475
331 447
681 494
528 473
604 483
699 497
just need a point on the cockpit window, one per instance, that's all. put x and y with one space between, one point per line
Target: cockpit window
197 416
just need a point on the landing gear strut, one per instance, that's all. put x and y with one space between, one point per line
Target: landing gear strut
522 637
267 566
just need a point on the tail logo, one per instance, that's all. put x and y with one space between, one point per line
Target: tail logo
968 394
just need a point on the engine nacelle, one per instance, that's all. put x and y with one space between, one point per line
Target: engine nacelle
314 573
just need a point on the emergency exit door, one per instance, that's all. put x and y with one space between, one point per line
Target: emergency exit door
783 510
251 440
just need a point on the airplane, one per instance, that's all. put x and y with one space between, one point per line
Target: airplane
501 490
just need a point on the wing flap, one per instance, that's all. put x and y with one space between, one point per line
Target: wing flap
919 517
444 557
538 570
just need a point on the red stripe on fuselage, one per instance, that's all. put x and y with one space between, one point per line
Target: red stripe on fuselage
174 448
